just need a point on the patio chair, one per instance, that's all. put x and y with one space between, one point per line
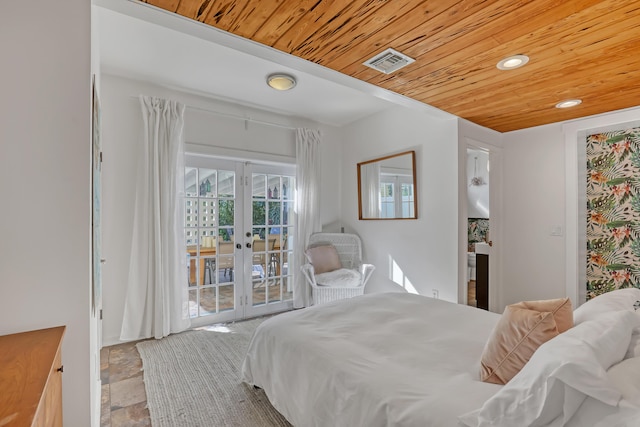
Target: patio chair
335 269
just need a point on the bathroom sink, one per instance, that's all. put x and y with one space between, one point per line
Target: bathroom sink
482 248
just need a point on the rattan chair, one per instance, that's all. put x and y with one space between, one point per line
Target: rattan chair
349 248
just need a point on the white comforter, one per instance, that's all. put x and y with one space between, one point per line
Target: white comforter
391 359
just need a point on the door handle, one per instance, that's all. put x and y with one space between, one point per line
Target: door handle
238 246
490 242
248 245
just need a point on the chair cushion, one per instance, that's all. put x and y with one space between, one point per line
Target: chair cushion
340 278
324 258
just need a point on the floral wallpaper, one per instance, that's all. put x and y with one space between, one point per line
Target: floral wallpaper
478 231
613 211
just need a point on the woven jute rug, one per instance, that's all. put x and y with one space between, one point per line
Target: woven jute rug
193 379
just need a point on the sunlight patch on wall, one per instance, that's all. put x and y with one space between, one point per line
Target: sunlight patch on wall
398 276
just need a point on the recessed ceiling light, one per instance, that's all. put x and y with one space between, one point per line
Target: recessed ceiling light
281 81
569 103
513 62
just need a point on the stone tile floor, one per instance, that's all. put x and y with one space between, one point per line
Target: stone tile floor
124 400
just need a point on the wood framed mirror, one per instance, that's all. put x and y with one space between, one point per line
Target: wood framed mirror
387 187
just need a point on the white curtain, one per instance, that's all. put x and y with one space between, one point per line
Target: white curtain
370 190
307 205
157 299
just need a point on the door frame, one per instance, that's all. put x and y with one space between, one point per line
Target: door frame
495 221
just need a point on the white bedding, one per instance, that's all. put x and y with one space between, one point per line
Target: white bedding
391 359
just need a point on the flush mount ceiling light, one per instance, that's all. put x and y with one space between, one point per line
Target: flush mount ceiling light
281 81
569 103
513 62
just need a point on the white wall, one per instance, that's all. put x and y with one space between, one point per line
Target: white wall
423 250
205 132
44 182
534 202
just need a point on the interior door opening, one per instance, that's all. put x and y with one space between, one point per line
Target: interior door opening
478 230
482 225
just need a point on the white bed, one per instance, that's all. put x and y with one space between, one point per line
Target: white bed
395 359
414 352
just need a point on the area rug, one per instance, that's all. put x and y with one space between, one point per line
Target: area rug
192 379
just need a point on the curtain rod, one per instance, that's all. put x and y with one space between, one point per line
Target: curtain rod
234 116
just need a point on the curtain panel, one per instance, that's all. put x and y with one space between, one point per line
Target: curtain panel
370 191
307 205
157 299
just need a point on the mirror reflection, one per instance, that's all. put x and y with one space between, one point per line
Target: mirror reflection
387 187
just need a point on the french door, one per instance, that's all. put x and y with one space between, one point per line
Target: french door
239 229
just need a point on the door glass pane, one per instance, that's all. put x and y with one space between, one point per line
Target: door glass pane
259 187
190 182
193 303
287 288
207 301
209 230
191 213
271 233
287 187
287 211
207 213
226 184
258 292
274 191
227 297
207 182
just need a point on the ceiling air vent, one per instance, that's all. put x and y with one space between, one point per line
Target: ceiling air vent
388 61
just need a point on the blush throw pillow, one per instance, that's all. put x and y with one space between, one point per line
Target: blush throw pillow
516 336
323 258
560 308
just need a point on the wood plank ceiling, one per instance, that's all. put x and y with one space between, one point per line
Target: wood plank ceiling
585 49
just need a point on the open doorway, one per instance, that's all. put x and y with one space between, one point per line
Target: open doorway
478 230
480 225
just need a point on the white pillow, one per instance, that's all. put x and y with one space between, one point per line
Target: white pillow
341 278
634 347
597 414
620 299
625 376
560 375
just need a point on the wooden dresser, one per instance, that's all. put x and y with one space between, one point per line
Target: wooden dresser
31 378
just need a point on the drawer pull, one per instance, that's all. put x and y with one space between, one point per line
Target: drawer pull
60 369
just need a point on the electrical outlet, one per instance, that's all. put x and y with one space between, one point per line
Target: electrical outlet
435 293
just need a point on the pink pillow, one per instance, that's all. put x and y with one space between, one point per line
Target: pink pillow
523 328
560 308
323 258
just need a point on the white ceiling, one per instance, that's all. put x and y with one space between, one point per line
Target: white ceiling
143 42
